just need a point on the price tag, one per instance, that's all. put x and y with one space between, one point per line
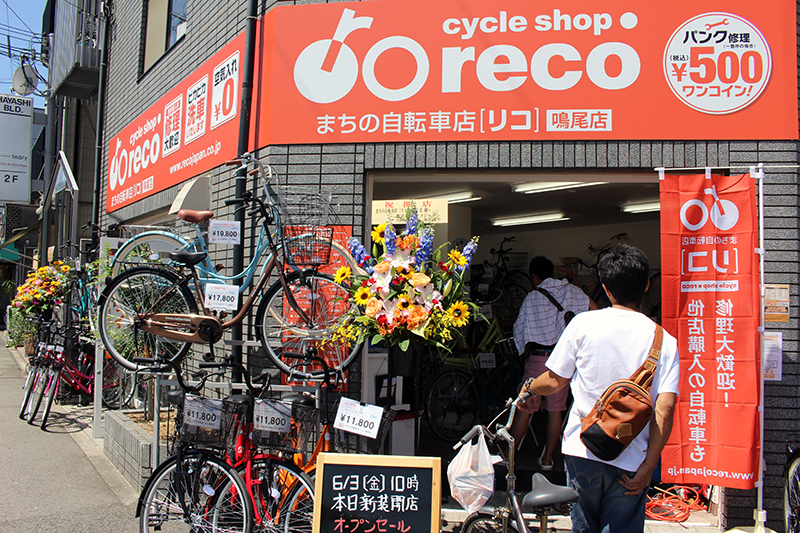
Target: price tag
359 419
487 360
486 310
219 296
271 415
202 412
225 232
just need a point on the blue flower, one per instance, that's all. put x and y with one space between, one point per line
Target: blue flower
359 253
468 252
389 237
411 224
425 247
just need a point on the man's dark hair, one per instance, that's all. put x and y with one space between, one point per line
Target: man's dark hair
624 270
541 267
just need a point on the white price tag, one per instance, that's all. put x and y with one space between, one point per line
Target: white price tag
487 360
271 415
202 412
225 232
219 296
486 310
359 419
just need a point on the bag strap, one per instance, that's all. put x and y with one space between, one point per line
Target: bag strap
551 298
644 375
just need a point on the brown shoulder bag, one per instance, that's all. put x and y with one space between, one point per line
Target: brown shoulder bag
623 410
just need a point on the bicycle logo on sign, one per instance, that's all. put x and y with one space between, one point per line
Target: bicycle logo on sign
724 214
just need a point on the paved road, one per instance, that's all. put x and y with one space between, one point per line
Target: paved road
56 480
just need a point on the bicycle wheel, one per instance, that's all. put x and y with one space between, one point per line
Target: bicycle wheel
507 307
27 390
52 390
202 491
150 248
791 497
518 277
283 334
118 384
122 305
485 523
42 379
283 496
453 405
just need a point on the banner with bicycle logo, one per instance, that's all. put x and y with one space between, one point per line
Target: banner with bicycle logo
710 297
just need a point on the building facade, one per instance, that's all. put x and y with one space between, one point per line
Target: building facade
368 145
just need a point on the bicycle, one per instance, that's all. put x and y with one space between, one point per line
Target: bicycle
585 275
507 288
195 486
459 398
147 310
506 510
791 487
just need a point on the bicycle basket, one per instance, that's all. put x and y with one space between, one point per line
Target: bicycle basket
307 245
202 422
283 426
301 205
346 442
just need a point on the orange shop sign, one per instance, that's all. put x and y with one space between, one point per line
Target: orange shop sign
192 128
711 303
454 70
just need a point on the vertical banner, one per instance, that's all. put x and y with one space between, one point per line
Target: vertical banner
710 296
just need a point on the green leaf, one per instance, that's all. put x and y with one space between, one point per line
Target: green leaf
403 345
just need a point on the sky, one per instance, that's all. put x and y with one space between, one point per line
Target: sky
21 24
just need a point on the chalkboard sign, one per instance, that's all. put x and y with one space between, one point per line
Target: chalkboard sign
377 494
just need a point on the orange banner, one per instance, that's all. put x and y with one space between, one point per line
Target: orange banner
710 298
460 70
192 128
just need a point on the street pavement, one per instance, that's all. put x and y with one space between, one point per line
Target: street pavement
60 481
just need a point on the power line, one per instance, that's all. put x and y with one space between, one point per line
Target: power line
15 14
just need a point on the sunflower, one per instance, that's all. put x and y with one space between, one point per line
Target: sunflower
342 274
404 301
378 233
456 257
459 314
362 296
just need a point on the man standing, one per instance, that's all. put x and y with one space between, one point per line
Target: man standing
595 350
538 326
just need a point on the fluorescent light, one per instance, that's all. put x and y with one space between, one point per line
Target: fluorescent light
645 207
548 186
456 197
529 219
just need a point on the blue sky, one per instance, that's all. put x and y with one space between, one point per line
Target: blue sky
19 21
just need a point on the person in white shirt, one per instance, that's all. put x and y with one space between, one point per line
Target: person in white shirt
595 350
538 326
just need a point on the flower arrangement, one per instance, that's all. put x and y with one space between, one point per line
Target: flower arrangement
410 292
43 289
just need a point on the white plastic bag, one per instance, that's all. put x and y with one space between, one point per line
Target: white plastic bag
471 475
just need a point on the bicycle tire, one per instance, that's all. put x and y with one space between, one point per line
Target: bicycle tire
39 390
118 384
485 523
149 248
212 491
453 405
518 277
52 391
286 502
506 308
282 334
27 389
791 497
121 304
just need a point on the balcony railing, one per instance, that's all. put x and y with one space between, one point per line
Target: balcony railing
75 53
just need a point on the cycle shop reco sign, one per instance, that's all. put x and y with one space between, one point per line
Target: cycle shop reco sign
191 129
459 70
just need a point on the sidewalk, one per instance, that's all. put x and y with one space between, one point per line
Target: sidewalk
68 485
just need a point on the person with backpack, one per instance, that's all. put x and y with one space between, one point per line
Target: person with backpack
542 318
595 351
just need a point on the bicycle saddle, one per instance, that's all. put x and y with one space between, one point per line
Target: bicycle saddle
299 399
175 396
195 217
544 494
187 258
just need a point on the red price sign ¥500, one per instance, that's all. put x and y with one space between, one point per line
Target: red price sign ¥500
717 63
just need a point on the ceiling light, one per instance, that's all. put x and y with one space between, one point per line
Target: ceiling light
456 197
549 186
645 207
530 219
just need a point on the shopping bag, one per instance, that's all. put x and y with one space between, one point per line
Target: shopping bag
471 475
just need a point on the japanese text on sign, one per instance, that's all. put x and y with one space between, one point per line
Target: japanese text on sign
356 418
225 232
219 296
271 415
202 412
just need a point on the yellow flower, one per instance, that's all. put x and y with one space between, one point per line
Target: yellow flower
378 233
420 279
342 274
362 296
456 257
373 306
65 268
459 313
